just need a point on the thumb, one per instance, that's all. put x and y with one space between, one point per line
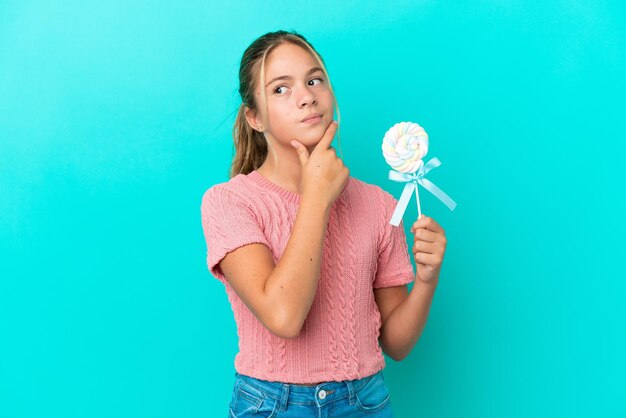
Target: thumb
303 153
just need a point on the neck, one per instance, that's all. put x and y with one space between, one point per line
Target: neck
284 170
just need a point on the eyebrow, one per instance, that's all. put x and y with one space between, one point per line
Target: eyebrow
286 77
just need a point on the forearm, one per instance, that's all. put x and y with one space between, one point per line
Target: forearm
406 322
292 285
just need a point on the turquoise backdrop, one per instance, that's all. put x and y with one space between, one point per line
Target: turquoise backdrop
115 117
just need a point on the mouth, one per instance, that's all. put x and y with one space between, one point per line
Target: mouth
312 118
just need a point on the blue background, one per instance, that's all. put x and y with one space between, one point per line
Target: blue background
116 116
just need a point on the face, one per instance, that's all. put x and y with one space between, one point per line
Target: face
295 88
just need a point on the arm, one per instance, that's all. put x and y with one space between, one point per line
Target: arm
281 295
403 316
290 288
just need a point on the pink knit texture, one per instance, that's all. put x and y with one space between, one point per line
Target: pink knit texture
362 251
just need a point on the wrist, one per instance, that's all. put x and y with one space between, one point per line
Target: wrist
317 205
427 284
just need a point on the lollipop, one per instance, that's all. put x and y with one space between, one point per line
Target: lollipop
404 146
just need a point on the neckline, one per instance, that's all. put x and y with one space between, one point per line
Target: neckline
265 183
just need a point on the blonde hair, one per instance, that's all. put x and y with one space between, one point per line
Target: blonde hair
251 145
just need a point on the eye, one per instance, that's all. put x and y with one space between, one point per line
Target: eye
279 87
275 91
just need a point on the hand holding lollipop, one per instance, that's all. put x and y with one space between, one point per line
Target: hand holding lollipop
404 146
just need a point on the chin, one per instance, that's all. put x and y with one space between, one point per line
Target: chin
312 140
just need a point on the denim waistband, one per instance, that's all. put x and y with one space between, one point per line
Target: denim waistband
289 393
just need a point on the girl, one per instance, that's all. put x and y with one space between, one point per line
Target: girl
315 273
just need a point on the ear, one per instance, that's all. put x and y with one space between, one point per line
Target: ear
253 121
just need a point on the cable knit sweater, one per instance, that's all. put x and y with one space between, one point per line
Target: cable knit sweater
362 251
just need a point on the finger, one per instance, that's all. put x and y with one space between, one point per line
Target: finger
427 259
418 264
428 223
328 136
425 247
425 235
303 153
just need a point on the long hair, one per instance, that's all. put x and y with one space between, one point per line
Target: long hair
251 145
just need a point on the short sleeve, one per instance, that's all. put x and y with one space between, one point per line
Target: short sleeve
394 266
228 222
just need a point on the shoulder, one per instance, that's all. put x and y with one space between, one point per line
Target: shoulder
233 202
378 205
373 192
234 191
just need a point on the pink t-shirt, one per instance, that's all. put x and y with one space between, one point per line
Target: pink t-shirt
362 251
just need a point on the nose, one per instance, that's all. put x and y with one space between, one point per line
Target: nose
306 98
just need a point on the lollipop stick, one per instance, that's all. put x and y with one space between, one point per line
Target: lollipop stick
417 196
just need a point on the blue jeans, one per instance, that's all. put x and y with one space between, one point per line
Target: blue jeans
365 397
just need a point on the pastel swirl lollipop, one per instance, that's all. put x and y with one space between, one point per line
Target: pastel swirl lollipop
404 146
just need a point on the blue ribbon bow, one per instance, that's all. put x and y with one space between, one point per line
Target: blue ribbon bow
412 179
